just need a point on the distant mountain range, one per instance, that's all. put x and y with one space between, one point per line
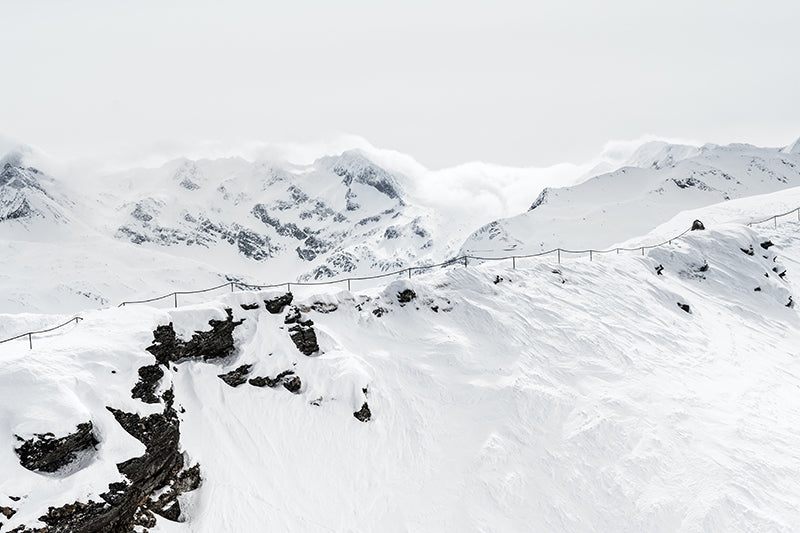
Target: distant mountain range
76 243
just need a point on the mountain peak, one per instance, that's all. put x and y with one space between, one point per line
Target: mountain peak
793 148
354 167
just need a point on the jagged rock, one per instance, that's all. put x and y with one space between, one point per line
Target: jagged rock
145 389
406 296
205 345
748 251
316 402
767 245
276 305
45 453
167 504
363 414
305 338
249 307
322 307
267 381
236 377
757 289
127 504
293 316
660 270
684 307
697 225
791 303
8 512
379 311
703 268
292 384
497 280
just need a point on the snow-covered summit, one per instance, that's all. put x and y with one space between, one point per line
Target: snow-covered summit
630 201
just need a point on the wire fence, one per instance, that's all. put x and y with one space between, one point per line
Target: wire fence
30 334
464 259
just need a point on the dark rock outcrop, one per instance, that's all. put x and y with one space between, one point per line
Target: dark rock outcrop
267 381
697 225
292 384
685 307
322 307
304 337
128 504
767 245
249 307
237 377
145 389
205 345
45 453
748 251
276 305
363 414
292 316
406 296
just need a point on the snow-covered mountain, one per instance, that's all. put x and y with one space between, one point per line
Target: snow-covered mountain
212 220
633 393
73 242
340 215
651 392
659 181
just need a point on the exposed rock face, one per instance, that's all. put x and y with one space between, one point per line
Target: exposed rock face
127 504
276 305
363 414
767 245
685 307
267 381
205 345
145 389
697 225
322 307
237 377
45 453
155 480
305 338
292 316
292 384
249 307
406 296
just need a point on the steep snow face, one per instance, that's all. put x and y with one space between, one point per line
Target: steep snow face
574 397
629 202
24 197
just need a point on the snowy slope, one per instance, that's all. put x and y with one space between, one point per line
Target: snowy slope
577 398
87 241
659 181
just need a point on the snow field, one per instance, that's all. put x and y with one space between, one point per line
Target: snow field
583 399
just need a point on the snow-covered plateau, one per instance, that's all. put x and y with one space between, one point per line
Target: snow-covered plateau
655 391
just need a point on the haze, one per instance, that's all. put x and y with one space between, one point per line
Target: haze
513 83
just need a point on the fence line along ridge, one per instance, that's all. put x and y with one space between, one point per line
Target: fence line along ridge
454 261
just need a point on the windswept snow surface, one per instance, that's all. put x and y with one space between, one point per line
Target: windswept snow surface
572 397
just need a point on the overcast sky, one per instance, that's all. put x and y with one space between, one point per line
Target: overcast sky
517 83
